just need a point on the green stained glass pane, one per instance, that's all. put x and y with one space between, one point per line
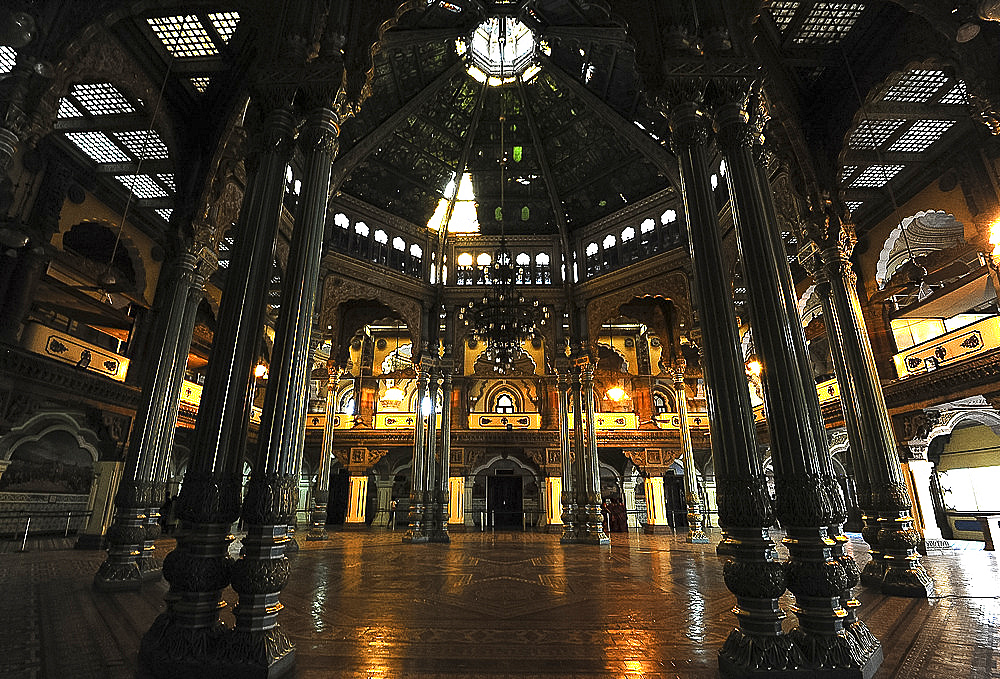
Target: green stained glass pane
525 213
499 214
517 154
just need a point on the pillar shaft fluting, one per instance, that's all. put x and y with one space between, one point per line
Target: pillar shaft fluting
137 502
321 492
568 499
696 529
415 531
590 526
808 500
442 490
903 574
272 493
431 506
189 634
752 571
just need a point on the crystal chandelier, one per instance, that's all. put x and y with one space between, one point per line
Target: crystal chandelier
503 319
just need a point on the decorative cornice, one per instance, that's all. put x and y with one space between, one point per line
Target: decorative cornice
30 374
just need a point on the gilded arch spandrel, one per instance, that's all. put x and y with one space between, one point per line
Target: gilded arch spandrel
673 287
337 290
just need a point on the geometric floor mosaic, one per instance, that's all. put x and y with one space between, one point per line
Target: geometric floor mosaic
492 605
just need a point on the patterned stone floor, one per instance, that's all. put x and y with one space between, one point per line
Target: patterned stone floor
490 605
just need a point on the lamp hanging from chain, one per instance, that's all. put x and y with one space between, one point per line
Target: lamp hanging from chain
503 319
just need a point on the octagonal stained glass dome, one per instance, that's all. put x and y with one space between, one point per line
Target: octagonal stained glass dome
502 47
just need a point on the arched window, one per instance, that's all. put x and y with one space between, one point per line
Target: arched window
609 241
398 244
381 236
504 404
668 217
341 220
345 404
416 251
628 234
362 229
660 404
592 249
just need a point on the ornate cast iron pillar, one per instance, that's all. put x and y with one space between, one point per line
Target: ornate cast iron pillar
590 525
321 492
849 406
442 491
132 532
569 507
431 507
808 500
752 570
272 493
416 531
189 639
577 455
897 539
696 529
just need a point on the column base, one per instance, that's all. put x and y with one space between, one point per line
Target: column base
765 656
657 529
912 582
119 579
553 528
934 546
822 651
415 537
439 536
267 655
91 541
291 546
317 536
354 526
873 573
697 537
150 568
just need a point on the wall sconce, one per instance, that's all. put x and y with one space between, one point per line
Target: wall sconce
260 371
617 394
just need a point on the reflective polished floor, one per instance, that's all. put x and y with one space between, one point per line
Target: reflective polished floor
489 605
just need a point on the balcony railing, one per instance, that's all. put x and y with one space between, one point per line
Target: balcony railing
957 345
46 341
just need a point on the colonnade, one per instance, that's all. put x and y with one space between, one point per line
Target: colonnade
808 500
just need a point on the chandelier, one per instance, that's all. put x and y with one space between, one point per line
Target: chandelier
503 319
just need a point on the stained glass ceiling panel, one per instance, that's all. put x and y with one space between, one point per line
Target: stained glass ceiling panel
101 99
921 136
783 13
142 186
876 176
7 58
918 86
143 144
98 147
873 133
183 36
225 23
828 23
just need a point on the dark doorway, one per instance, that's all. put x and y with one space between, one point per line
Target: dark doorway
673 495
504 495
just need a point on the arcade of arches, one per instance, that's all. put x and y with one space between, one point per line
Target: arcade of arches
242 243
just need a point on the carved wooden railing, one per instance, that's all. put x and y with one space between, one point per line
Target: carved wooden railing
957 345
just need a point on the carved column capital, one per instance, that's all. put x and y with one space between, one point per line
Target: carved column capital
321 132
689 125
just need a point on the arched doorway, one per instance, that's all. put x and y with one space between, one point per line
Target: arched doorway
505 494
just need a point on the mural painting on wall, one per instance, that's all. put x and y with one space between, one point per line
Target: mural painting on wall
54 463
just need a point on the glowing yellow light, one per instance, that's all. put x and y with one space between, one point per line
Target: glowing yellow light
754 368
260 371
465 259
995 237
617 394
477 74
464 218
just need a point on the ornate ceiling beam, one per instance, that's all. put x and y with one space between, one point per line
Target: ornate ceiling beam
354 156
404 39
660 157
873 156
612 35
165 166
558 211
902 111
116 122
